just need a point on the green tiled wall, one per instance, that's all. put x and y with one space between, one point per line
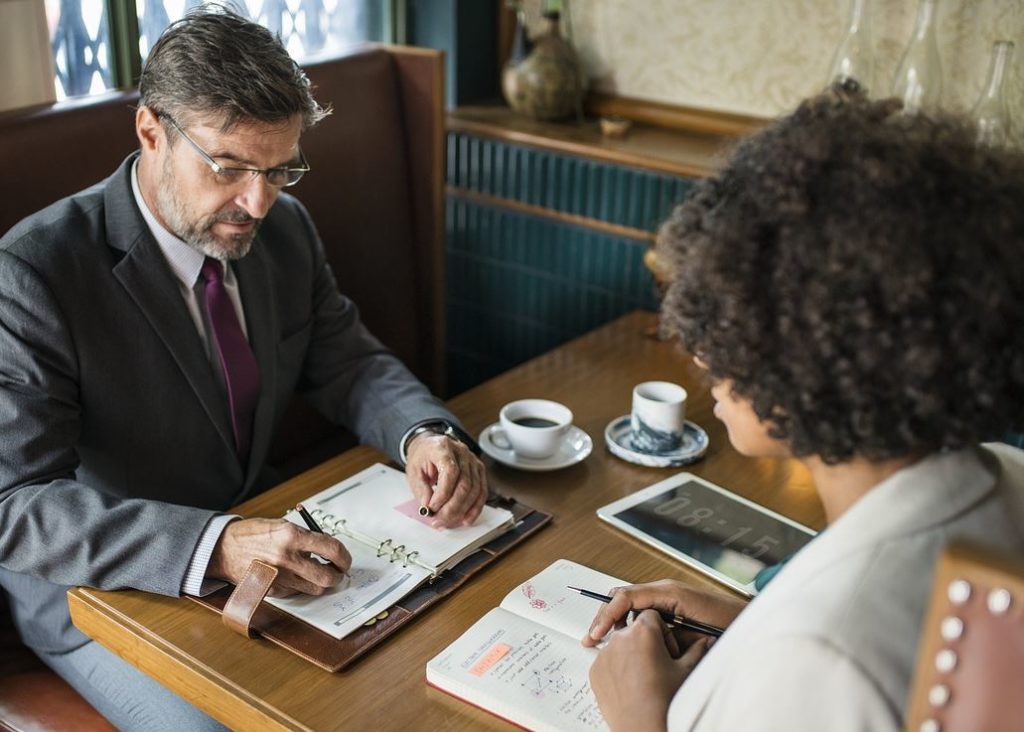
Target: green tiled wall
617 194
518 284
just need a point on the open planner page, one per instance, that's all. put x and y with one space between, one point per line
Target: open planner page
545 598
371 586
377 503
521 671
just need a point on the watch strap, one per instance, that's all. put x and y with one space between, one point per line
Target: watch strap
439 427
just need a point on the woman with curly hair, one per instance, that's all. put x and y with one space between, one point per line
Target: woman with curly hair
852 284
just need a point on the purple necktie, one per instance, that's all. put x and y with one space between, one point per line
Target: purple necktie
241 372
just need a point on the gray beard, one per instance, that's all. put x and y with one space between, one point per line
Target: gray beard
199 234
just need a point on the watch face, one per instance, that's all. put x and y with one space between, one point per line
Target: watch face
707 527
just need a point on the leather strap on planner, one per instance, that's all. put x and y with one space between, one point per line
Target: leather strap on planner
248 595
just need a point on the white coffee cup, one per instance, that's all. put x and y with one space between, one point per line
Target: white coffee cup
532 428
658 416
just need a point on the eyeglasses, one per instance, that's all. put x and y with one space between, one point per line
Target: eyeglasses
281 177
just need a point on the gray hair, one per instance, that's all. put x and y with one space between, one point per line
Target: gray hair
214 61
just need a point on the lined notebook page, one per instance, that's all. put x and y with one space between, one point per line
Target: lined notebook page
521 671
545 598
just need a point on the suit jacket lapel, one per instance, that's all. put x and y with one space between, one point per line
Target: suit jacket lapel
253 273
148 280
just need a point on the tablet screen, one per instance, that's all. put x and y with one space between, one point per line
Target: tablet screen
727 534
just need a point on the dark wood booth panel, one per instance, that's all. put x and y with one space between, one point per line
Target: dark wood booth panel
375 193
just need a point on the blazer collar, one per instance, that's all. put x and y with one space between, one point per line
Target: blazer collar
928 493
144 273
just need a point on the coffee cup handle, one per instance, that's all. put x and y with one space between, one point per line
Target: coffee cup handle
498 439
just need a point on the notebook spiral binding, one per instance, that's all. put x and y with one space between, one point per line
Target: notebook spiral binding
384 548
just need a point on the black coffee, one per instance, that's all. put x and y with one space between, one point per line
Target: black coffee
535 422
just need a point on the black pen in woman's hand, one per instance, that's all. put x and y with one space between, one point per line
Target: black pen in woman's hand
308 518
673 621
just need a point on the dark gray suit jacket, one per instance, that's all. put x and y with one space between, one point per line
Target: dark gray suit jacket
115 442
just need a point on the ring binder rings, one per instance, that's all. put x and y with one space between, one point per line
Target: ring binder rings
440 573
398 554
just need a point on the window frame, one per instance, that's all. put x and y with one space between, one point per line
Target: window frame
123 31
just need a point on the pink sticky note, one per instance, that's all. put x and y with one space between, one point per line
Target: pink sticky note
497 652
412 510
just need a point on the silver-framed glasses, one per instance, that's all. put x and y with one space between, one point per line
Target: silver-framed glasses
280 177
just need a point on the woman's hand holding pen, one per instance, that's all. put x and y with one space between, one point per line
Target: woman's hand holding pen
284 545
638 671
642 665
667 596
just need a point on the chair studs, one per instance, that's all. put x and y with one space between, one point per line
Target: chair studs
999 601
938 695
959 591
945 660
952 628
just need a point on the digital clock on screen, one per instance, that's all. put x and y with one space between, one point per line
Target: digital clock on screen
717 532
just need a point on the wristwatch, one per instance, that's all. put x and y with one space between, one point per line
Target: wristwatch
438 427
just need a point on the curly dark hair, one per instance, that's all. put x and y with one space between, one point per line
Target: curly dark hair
859 276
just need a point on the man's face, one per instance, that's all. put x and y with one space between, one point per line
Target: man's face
218 218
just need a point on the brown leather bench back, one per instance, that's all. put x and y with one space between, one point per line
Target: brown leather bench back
375 194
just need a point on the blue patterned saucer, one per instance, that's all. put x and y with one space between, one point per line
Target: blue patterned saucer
619 438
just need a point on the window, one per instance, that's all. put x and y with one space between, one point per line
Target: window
79 36
85 38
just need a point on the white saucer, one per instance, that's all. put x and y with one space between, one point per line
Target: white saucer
576 445
619 439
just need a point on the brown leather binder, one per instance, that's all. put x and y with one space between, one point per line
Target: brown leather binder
247 613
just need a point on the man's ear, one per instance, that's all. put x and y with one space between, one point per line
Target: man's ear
150 132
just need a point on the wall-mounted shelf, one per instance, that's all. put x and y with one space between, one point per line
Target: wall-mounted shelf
677 152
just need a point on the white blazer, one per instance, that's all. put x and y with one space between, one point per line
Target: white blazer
831 643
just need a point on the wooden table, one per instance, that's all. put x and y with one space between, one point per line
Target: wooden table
252 684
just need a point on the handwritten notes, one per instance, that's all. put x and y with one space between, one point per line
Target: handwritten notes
523 660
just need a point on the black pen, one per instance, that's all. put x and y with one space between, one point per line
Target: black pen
308 518
313 526
673 621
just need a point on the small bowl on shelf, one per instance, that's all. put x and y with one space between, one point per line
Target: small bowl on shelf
617 127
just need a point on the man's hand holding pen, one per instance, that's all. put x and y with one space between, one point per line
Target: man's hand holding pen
447 478
284 545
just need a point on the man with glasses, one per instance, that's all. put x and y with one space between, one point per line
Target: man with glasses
152 330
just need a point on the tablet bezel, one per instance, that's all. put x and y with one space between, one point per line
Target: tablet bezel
608 513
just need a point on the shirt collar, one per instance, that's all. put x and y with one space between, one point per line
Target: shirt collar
184 261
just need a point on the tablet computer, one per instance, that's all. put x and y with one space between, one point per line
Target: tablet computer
708 528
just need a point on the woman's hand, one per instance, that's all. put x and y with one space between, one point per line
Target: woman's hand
667 595
638 671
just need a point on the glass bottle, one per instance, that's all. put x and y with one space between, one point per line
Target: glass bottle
853 59
990 113
918 81
521 43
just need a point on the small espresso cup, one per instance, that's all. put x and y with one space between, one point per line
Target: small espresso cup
658 416
532 428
